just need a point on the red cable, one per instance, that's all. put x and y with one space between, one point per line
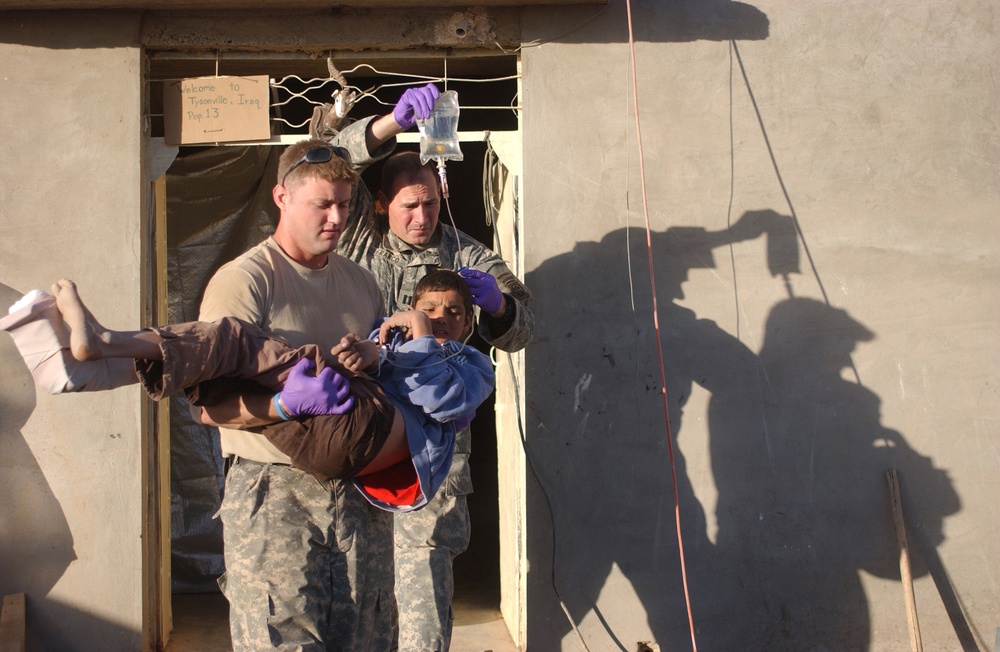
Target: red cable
656 328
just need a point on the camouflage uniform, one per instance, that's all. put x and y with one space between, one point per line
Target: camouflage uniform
428 540
288 517
308 563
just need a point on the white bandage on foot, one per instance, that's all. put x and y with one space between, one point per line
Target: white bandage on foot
42 339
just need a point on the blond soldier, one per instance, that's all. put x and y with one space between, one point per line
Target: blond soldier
308 563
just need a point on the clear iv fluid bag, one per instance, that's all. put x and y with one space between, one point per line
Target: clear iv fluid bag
439 132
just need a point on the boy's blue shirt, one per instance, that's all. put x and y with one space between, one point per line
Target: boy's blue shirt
432 385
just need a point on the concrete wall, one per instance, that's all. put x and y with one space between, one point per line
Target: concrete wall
70 191
875 133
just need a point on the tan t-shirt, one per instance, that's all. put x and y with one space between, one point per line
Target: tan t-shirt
301 305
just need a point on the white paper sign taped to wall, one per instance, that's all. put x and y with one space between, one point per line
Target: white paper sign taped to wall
216 110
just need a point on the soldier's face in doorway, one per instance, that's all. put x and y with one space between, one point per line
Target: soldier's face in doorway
413 210
313 214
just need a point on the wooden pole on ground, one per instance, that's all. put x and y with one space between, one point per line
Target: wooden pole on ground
904 560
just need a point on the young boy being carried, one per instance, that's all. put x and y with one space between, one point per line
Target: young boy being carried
394 437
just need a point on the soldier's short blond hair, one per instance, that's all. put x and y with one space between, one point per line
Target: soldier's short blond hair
293 167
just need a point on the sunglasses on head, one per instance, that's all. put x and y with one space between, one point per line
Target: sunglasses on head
321 154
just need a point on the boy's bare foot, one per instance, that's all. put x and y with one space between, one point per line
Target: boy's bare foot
86 335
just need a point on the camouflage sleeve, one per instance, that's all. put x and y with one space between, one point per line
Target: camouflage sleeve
518 333
505 335
354 139
359 239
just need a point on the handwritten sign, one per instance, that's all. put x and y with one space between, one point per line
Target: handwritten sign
216 110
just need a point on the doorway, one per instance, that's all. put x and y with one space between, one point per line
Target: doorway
487 88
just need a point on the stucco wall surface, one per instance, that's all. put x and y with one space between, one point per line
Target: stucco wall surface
70 195
822 186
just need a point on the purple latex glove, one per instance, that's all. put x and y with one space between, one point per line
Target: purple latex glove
327 393
415 103
485 291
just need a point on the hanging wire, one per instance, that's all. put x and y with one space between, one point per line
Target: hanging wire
491 167
312 86
497 167
656 328
384 356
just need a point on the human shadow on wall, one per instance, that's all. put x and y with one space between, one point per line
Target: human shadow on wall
691 20
802 513
596 433
796 454
654 21
36 545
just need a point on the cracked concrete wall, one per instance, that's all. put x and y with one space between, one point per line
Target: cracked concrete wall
342 29
799 367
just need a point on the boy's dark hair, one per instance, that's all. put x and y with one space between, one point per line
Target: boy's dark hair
442 280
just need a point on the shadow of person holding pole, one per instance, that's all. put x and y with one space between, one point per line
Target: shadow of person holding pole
803 510
598 442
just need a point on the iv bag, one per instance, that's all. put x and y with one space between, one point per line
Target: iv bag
439 132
